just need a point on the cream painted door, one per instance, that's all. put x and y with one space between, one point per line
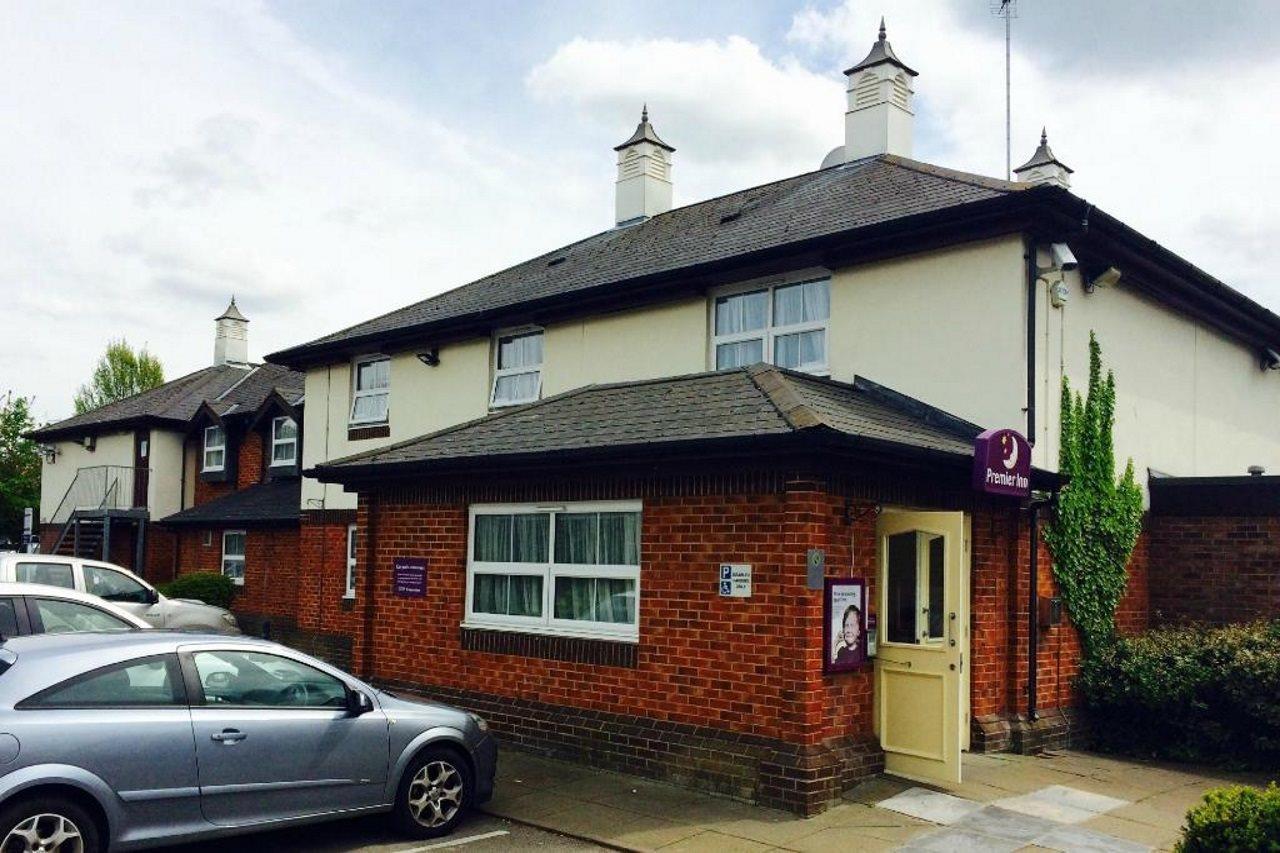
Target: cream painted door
923 643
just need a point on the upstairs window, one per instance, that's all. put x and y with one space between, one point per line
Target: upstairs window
215 448
784 325
371 394
284 441
517 375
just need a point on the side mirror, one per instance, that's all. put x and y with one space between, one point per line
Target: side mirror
153 596
358 704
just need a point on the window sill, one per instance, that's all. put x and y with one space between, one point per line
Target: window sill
596 651
367 431
546 631
350 596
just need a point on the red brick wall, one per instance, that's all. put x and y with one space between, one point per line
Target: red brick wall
249 468
270 568
1217 570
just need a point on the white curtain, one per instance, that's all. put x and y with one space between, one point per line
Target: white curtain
742 312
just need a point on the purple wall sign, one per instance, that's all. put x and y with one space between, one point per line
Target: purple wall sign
410 575
1002 463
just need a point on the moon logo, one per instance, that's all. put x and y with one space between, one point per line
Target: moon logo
1011 458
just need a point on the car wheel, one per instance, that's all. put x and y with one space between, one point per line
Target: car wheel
434 794
48 825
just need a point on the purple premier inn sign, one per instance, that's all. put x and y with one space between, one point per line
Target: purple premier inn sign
1002 463
410 577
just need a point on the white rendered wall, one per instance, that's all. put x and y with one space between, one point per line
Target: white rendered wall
55 479
164 487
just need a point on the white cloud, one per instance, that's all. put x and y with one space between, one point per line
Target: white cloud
170 156
736 117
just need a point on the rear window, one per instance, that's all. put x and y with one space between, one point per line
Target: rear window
148 682
8 618
53 574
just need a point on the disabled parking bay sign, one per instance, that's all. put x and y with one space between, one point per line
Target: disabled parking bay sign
735 580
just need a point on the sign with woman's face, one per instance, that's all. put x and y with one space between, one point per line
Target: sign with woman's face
845 621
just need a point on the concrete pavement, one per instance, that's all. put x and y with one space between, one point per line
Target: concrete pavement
1065 801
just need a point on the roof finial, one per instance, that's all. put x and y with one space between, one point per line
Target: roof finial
644 113
1044 136
882 32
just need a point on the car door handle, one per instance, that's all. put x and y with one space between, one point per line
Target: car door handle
228 736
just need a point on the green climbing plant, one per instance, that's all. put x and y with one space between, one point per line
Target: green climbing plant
1098 517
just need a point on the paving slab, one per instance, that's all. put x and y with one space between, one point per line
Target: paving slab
1161 837
955 840
1034 806
929 805
1009 825
1078 839
710 841
841 840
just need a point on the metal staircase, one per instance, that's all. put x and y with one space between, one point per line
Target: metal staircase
98 497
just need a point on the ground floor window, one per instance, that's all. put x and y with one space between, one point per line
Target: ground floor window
571 569
351 562
233 555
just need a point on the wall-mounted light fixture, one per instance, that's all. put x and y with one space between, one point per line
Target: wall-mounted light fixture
431 357
90 442
1270 360
1109 277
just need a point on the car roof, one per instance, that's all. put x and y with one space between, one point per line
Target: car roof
42 660
66 594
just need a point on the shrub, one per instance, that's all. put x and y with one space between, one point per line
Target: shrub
1236 818
1192 693
209 587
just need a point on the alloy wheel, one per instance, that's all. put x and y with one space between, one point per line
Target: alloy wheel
44 833
435 794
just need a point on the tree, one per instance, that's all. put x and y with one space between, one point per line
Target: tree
1098 517
19 465
120 373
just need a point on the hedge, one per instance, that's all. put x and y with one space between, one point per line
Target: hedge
209 587
1192 693
1236 819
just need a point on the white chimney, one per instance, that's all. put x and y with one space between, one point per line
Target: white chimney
644 175
231 341
1044 168
879 117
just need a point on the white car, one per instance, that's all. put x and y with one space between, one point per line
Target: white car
119 586
36 608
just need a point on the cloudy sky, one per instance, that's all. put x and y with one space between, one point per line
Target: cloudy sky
328 161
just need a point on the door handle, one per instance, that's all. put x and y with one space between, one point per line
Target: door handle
228 736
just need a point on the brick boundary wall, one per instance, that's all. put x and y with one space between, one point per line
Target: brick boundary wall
1218 570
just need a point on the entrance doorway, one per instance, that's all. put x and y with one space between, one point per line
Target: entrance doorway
922 660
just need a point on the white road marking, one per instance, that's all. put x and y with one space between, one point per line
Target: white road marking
457 842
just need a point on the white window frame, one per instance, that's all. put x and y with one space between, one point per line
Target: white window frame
205 448
770 333
222 567
280 442
498 373
549 571
351 562
357 394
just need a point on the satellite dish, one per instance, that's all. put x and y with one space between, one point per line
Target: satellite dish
835 158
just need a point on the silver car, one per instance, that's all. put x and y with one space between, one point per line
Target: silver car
119 586
143 738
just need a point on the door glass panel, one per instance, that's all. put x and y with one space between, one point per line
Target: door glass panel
62 617
254 679
52 574
901 589
113 586
8 618
936 605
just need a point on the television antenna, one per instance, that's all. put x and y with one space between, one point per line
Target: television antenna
1007 9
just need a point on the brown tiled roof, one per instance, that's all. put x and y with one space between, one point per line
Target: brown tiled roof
746 403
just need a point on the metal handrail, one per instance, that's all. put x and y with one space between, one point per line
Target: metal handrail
98 487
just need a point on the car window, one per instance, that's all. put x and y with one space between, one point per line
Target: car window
113 585
257 679
145 681
8 617
59 617
53 574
